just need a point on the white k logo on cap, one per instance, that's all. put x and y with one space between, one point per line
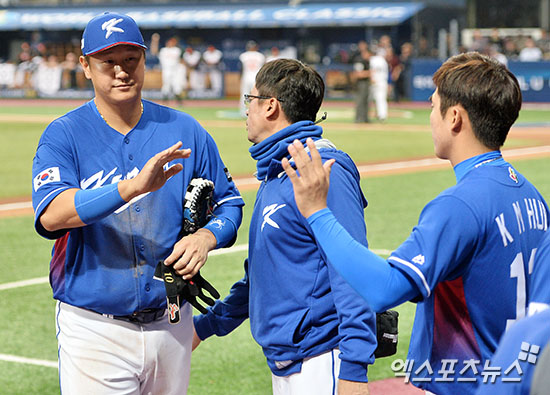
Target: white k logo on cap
110 26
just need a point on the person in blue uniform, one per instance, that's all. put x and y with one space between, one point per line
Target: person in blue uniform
467 260
316 334
109 180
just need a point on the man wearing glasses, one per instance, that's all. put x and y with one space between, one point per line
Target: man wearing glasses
316 335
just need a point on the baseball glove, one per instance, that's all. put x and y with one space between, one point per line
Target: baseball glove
386 333
197 206
197 210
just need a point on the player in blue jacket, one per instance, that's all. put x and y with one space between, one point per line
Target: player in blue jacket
311 325
109 182
467 261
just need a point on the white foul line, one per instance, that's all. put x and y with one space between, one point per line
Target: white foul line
24 283
15 206
29 361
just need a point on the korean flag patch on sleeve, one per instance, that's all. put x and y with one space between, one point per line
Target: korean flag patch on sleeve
45 177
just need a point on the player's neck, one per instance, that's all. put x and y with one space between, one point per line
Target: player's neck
122 117
467 151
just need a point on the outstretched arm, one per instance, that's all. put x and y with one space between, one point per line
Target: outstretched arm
380 284
75 207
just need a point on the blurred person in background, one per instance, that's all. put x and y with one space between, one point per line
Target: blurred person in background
24 70
362 77
530 52
510 49
48 76
212 58
274 53
252 61
544 44
71 67
495 39
479 42
174 80
192 59
402 73
379 75
494 52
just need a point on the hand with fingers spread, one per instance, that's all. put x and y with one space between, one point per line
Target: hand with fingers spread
153 175
311 185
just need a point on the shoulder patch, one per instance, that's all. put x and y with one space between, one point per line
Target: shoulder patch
46 176
513 174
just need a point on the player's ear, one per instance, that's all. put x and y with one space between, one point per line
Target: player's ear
272 107
85 66
457 118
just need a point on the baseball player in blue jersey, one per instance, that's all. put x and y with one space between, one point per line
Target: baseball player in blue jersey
109 180
311 325
467 261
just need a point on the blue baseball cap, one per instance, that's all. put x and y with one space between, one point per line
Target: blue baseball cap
109 29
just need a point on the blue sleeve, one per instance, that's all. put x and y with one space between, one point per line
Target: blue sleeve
374 279
444 239
228 209
53 171
226 315
539 291
516 356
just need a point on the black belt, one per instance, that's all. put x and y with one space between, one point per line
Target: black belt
140 317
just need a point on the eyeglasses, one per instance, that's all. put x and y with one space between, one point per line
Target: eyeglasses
248 98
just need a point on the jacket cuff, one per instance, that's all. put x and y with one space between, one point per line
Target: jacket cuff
353 371
203 326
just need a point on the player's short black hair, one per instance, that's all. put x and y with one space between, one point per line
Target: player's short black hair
486 89
298 86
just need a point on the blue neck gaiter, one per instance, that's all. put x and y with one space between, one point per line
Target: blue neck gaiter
276 145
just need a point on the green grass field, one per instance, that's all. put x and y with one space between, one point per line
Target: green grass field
234 364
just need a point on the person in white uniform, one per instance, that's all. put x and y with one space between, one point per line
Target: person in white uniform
174 79
379 71
212 58
252 60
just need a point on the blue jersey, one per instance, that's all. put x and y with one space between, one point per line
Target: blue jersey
108 266
297 304
539 288
517 356
469 257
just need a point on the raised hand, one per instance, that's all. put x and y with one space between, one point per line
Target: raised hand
153 175
311 185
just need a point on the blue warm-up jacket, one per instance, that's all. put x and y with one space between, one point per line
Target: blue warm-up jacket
297 304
